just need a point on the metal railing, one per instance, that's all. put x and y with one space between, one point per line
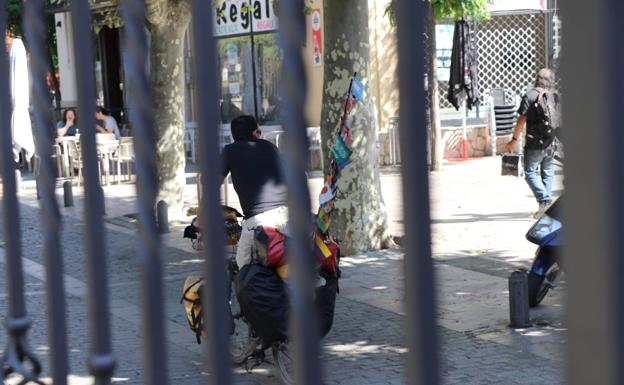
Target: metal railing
592 62
421 339
594 191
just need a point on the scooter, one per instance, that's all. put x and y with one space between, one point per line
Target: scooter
546 269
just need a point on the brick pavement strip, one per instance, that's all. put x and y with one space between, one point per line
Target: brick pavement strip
364 346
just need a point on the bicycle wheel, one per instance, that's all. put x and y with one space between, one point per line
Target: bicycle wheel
242 342
284 363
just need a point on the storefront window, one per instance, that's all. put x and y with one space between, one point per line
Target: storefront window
236 77
268 77
249 60
250 83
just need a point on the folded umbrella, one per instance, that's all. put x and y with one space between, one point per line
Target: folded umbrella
21 127
464 74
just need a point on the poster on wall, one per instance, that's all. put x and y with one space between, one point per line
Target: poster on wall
236 17
444 48
317 44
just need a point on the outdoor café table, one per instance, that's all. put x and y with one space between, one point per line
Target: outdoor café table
63 141
106 145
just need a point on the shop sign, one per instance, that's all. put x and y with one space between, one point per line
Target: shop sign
234 17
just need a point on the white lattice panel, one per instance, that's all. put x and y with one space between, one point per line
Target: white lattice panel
511 49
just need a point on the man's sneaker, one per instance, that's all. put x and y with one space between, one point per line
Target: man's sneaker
543 206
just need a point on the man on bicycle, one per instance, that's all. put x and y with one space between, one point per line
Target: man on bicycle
256 169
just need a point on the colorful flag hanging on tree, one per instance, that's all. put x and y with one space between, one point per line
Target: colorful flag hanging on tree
341 152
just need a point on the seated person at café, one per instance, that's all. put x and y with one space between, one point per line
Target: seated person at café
110 124
272 112
229 110
67 125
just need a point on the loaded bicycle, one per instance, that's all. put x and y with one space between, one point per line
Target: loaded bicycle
247 347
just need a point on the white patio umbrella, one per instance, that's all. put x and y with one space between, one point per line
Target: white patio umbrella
20 87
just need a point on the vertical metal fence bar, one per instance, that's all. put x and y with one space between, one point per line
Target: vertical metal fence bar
615 60
35 30
205 67
101 362
593 59
17 321
140 103
420 327
304 329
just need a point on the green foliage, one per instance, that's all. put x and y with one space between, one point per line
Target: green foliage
106 18
103 17
14 26
14 17
390 12
449 9
456 9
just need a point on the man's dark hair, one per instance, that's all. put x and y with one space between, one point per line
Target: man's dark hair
103 110
243 127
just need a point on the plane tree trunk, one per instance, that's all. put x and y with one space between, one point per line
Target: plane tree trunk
360 219
168 21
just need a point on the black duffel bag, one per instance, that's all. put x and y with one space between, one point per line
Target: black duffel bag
262 296
325 302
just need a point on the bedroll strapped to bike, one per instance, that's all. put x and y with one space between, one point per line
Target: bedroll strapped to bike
191 299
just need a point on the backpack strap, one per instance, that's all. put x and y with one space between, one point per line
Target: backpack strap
540 94
189 289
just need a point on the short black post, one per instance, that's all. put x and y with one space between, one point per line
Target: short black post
103 200
162 217
37 188
18 180
68 195
519 300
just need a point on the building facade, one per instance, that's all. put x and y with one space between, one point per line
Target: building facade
518 39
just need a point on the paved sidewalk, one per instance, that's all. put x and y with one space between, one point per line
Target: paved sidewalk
478 220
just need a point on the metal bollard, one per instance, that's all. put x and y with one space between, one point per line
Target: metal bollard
68 195
18 181
518 300
37 188
103 199
162 217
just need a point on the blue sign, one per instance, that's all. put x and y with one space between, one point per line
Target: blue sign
357 89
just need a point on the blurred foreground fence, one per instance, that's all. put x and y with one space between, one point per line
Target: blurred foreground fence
592 66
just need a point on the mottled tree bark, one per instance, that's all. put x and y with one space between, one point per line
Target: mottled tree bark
360 219
168 21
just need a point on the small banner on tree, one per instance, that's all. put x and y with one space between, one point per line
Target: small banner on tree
357 89
341 151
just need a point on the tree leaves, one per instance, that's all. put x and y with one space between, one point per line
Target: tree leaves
448 9
456 9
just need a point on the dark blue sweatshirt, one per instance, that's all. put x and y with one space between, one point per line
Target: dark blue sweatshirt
256 173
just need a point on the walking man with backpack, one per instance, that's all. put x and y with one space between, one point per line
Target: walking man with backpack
540 111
